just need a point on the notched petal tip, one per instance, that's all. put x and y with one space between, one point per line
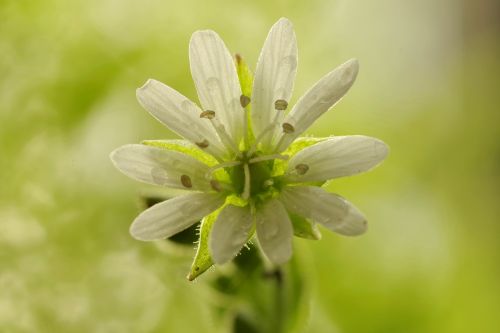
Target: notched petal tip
114 156
284 21
145 86
201 34
143 92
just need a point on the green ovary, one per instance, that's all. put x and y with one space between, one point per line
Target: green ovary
260 173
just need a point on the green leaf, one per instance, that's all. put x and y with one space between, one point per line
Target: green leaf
304 228
203 260
185 147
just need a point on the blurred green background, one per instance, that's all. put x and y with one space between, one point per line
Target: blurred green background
428 86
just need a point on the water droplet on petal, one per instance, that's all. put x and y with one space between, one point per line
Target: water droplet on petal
186 208
187 106
213 85
289 61
271 231
159 175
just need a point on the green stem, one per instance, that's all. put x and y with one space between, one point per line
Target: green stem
279 300
277 322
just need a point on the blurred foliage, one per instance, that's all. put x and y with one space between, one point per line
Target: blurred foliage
428 86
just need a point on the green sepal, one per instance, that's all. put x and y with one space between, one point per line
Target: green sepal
185 147
245 77
280 166
304 228
203 260
301 143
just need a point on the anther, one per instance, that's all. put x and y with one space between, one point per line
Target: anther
215 185
244 101
209 114
186 181
202 144
268 183
280 105
288 128
238 58
301 168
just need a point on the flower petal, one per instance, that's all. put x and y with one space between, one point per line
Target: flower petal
274 231
336 157
230 232
328 209
158 166
172 216
180 115
321 97
216 80
274 77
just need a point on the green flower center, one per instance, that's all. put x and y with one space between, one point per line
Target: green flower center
262 183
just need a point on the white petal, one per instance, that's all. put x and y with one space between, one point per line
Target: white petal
274 77
172 216
328 209
179 114
321 97
159 166
337 157
216 80
274 231
230 232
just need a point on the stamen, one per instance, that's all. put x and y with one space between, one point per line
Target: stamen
246 189
208 114
268 183
186 181
222 165
288 128
216 186
221 131
244 101
238 58
224 136
267 158
202 144
301 168
260 137
245 128
280 105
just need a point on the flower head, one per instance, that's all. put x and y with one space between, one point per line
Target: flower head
244 167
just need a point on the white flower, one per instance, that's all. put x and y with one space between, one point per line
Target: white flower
243 163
